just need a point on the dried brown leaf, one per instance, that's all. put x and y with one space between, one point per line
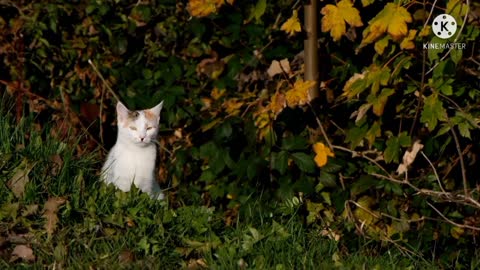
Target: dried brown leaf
126 257
278 67
29 210
20 178
50 213
24 252
57 164
409 157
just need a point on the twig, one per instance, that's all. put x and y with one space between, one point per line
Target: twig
463 226
104 81
462 164
321 128
434 171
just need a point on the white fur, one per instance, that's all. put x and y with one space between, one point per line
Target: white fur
132 160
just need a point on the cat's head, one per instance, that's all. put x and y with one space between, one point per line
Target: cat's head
139 127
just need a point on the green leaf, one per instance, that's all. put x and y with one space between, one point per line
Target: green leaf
294 143
257 11
374 132
327 179
280 161
326 197
433 112
361 185
392 151
380 101
456 56
304 162
356 135
381 44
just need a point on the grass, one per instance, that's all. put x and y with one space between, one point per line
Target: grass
102 228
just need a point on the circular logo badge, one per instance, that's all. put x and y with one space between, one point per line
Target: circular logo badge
444 26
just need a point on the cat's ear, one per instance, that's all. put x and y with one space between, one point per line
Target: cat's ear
122 112
156 110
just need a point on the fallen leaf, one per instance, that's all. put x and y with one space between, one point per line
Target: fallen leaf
335 17
57 164
126 257
24 252
29 210
292 25
20 178
50 213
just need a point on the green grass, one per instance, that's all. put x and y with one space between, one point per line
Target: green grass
103 228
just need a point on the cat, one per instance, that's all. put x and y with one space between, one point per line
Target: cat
132 158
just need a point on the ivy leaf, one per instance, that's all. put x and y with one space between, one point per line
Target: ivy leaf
392 151
432 112
322 152
392 19
292 25
304 162
335 17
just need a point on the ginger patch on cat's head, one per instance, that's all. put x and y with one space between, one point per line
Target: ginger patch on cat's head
151 116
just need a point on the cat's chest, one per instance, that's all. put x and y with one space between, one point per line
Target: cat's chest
134 160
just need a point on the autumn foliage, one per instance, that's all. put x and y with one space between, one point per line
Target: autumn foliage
387 151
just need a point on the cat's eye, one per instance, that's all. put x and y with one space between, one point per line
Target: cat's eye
148 128
133 128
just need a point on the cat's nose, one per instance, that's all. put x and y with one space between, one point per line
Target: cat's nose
142 138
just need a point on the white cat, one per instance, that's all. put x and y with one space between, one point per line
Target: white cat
132 158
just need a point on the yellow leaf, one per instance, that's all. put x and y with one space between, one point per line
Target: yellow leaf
217 93
381 45
278 103
322 152
457 232
392 19
299 95
232 106
408 42
203 8
335 17
457 9
292 25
